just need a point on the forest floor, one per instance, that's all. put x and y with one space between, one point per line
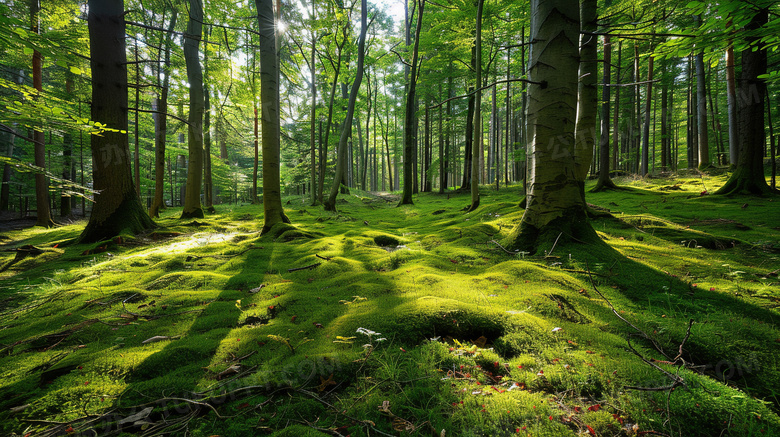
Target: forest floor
378 320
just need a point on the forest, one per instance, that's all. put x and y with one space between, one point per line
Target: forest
389 217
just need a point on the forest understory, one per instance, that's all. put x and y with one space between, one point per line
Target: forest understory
412 320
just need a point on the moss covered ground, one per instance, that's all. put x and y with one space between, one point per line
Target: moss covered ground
378 320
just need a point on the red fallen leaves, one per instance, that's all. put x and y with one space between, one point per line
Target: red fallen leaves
618 418
591 431
292 319
594 407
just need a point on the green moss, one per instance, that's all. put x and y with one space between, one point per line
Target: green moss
476 341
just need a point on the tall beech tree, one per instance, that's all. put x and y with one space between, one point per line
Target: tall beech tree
117 208
273 212
587 92
555 207
192 206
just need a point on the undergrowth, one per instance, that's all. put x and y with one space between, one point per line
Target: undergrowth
378 320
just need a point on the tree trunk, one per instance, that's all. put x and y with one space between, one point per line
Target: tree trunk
701 108
587 92
616 115
646 129
748 176
731 92
409 119
67 156
476 150
604 181
192 208
41 183
313 112
273 212
341 161
161 127
117 208
555 208
208 186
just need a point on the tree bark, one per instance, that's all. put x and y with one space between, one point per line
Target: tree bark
208 186
313 112
646 127
587 92
161 128
604 181
476 150
731 92
273 212
555 208
192 206
117 208
701 108
748 176
39 147
409 119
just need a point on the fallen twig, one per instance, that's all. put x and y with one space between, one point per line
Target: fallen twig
304 268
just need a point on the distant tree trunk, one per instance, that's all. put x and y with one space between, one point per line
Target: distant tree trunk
117 208
341 161
273 212
748 176
616 115
67 156
41 183
665 135
701 108
469 139
476 150
731 92
646 129
409 120
313 112
555 208
162 125
208 186
8 140
587 92
604 181
137 154
192 207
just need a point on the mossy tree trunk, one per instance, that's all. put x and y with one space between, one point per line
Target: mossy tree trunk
409 116
748 176
161 129
555 207
117 208
208 185
269 97
192 206
346 132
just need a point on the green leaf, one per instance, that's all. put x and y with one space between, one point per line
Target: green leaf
28 51
76 70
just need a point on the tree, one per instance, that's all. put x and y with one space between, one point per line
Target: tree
192 207
748 176
555 207
41 184
587 92
269 96
409 115
346 133
161 128
476 150
117 207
